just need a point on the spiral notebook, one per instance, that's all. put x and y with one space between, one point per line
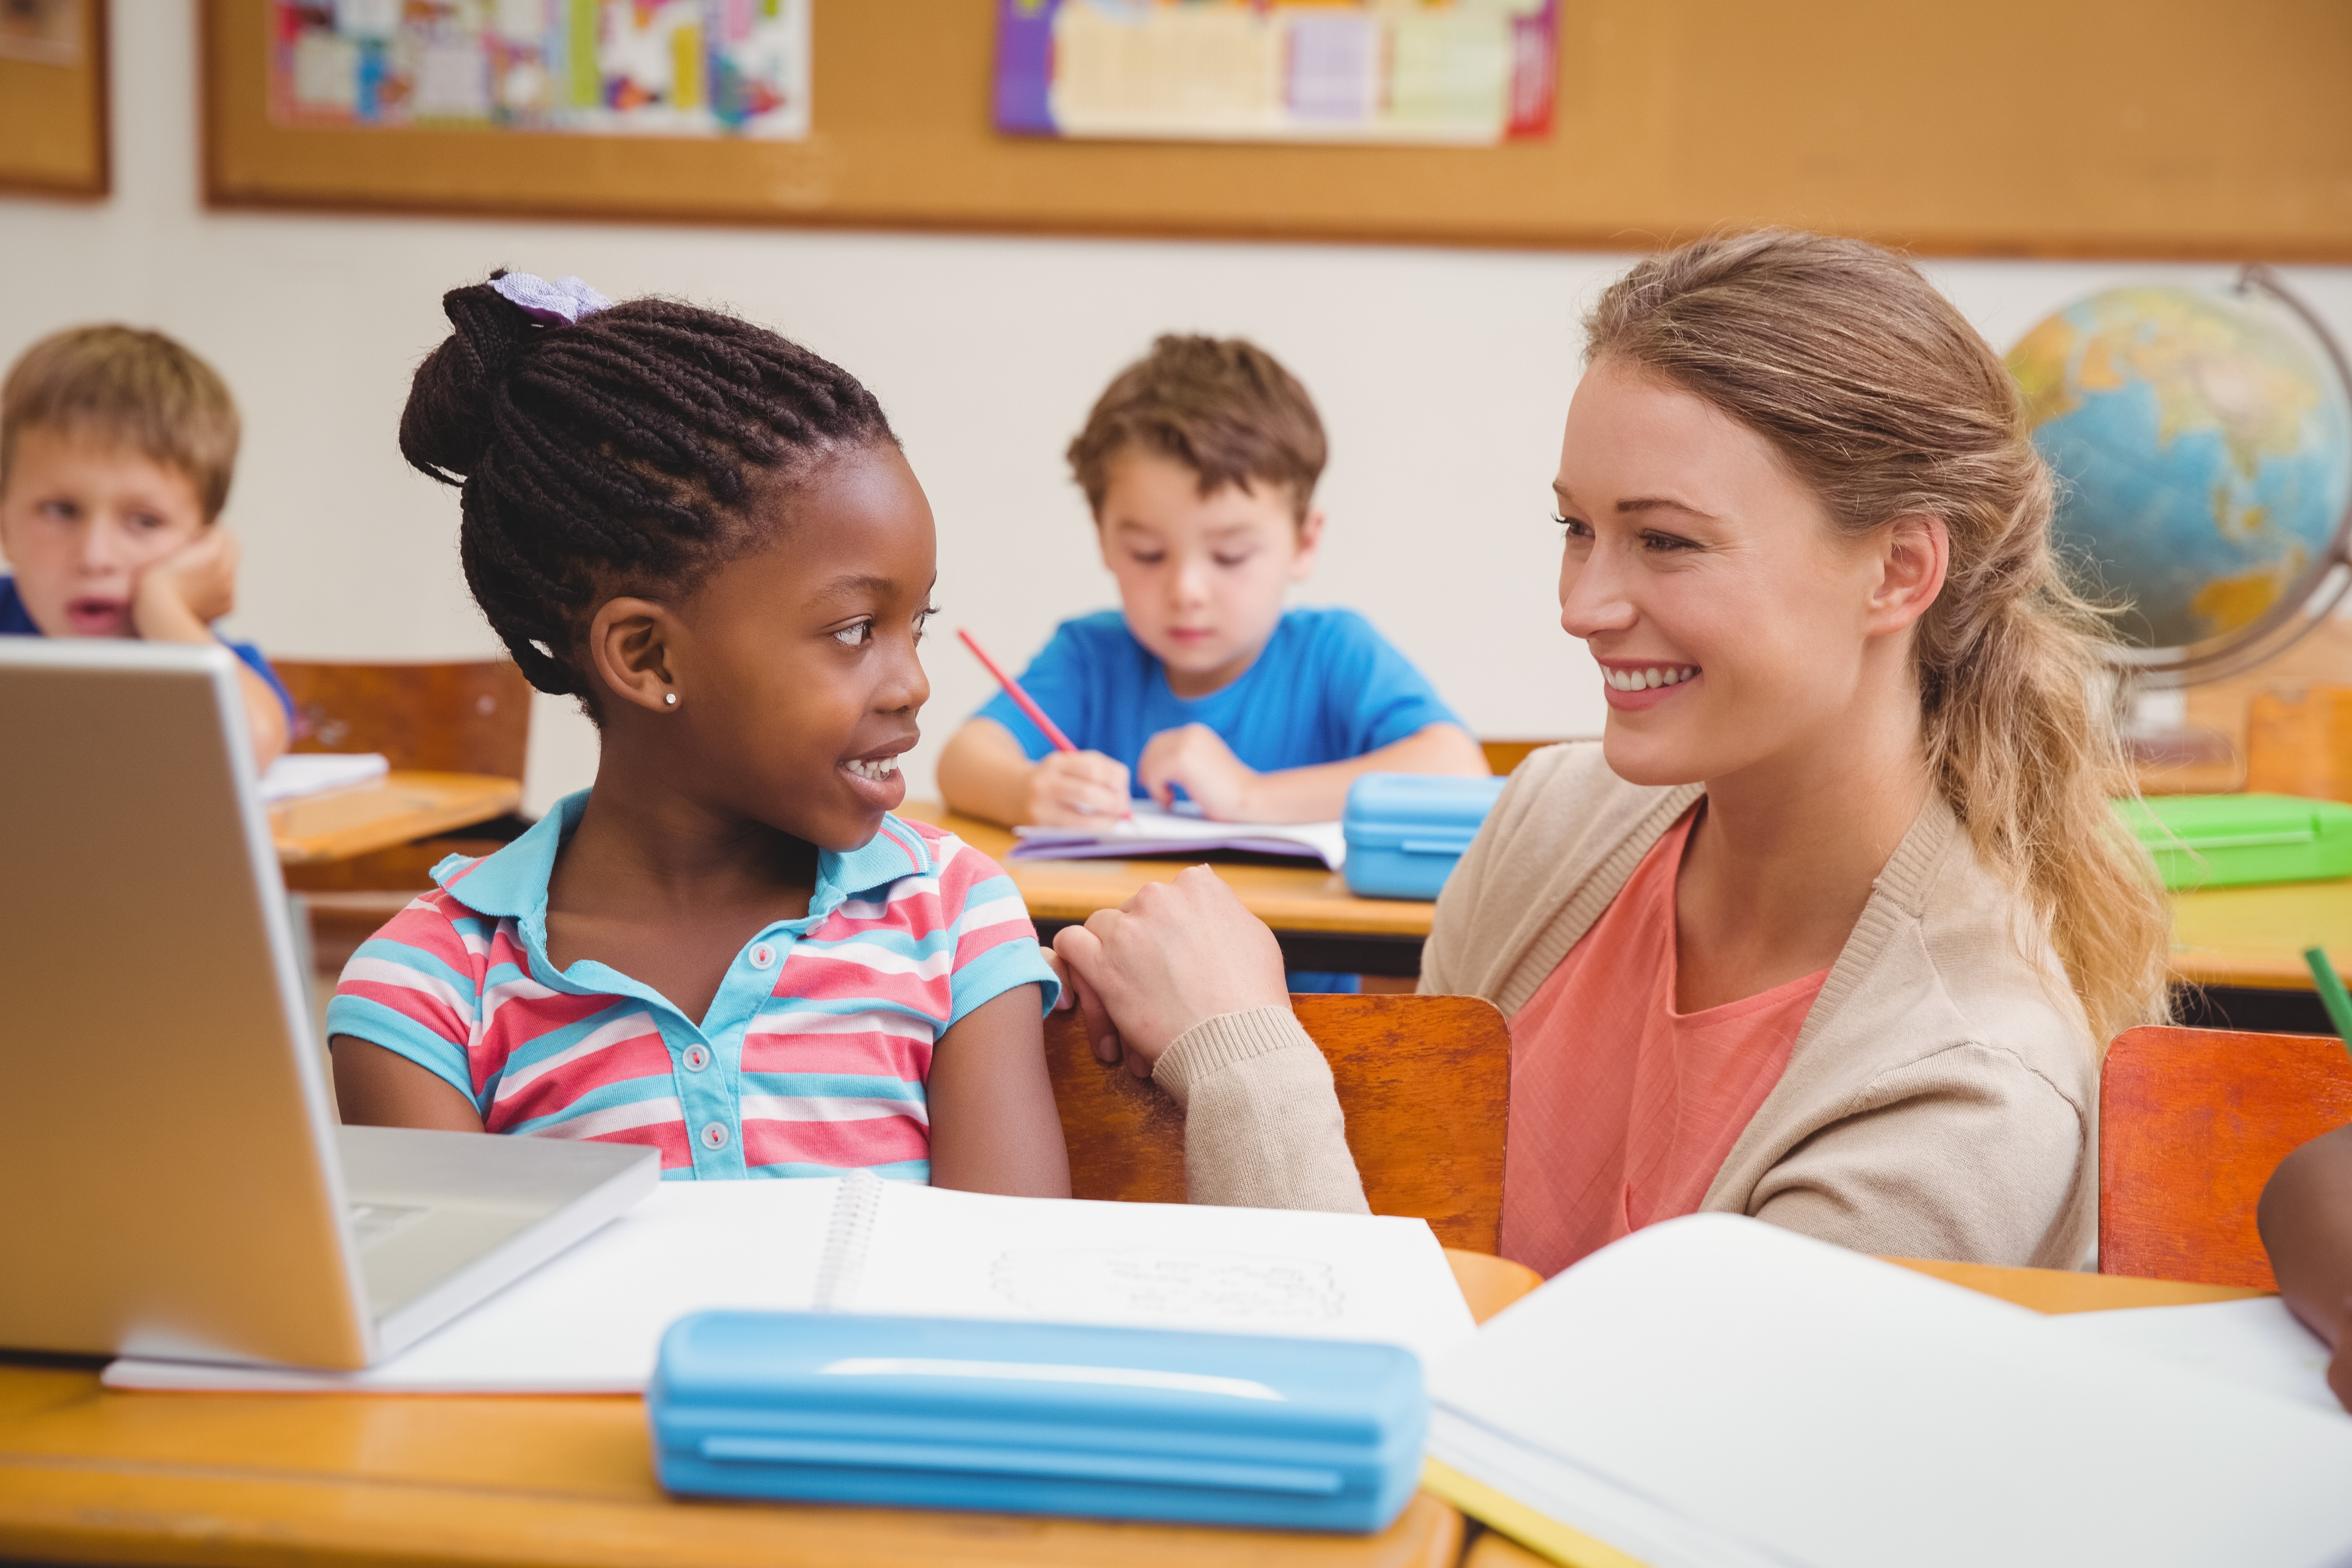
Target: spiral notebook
590 1320
1150 832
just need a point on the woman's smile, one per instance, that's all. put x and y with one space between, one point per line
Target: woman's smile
1633 685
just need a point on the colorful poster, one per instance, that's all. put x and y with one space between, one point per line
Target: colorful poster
1459 72
653 68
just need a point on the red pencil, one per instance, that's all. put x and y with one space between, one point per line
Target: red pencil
1020 698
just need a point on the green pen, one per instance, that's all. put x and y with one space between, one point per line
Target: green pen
2331 993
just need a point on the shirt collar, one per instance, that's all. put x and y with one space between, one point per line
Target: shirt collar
512 883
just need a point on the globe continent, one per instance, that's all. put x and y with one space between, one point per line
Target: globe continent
2204 455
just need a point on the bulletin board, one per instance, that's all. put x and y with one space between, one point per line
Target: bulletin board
53 111
2131 128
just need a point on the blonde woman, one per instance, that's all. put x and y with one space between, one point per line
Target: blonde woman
1831 926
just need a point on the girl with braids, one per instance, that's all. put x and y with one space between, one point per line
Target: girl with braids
1831 927
728 948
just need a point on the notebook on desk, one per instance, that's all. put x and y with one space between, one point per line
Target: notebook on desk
1150 832
591 1321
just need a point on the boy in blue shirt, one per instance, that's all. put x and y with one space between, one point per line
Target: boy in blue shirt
1200 462
116 447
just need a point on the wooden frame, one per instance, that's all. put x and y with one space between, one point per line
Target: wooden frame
2180 128
54 119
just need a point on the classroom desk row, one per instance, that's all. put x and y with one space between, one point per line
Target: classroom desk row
358 1481
2231 939
2245 944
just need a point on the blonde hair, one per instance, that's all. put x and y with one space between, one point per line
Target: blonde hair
1885 403
135 389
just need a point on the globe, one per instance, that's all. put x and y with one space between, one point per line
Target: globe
2203 446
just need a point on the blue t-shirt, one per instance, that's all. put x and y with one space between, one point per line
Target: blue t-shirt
1326 687
15 621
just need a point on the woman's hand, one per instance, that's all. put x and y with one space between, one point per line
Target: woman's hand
1176 954
1076 789
1197 757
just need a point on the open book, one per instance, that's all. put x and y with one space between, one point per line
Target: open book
590 1320
1150 832
1716 1392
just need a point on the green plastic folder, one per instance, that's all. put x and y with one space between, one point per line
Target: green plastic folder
2230 840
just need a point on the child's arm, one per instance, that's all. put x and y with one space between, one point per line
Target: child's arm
984 773
2306 1224
377 1088
993 1125
1227 790
177 600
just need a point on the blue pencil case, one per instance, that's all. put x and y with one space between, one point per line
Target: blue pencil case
1405 831
1025 1417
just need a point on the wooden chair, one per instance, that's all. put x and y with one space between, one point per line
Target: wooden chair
1424 1082
472 718
430 718
2192 1124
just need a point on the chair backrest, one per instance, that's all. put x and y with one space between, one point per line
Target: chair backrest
1424 1082
2192 1124
1501 756
437 717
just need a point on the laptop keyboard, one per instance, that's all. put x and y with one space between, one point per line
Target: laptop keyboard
374 1223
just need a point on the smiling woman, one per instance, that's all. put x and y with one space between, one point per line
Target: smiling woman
728 948
1830 927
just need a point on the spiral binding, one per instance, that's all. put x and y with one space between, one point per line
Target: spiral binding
854 1208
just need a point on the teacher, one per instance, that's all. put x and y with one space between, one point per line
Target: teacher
1832 924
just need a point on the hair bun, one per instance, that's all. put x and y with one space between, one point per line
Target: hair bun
446 428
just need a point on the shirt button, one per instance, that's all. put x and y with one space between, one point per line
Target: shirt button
697 1057
763 957
714 1134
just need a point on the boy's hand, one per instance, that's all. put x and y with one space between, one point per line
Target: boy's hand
1077 789
1198 758
195 583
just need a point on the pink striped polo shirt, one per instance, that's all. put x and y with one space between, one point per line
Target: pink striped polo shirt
812 1060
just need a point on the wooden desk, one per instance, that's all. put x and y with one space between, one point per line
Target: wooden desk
336 1481
404 806
1320 924
2254 937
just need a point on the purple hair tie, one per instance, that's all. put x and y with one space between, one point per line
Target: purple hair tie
566 302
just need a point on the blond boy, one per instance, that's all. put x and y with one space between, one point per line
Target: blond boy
116 450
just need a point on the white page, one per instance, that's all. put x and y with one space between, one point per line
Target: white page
2256 1344
299 773
1150 832
590 1320
1843 1412
1226 1270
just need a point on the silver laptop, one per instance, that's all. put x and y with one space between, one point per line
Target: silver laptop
173 1179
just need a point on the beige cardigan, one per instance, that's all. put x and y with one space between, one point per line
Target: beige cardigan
1940 1101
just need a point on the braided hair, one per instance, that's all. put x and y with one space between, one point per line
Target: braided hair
627 449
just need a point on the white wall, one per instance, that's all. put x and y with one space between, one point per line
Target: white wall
1442 376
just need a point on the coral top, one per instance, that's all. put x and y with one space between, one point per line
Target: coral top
1622 1109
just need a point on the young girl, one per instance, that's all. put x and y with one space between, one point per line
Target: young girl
728 948
1833 925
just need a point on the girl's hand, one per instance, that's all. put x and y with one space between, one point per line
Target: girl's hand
187 590
1198 758
1176 954
1077 789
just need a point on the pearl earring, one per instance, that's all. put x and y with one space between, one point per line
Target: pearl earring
670 698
